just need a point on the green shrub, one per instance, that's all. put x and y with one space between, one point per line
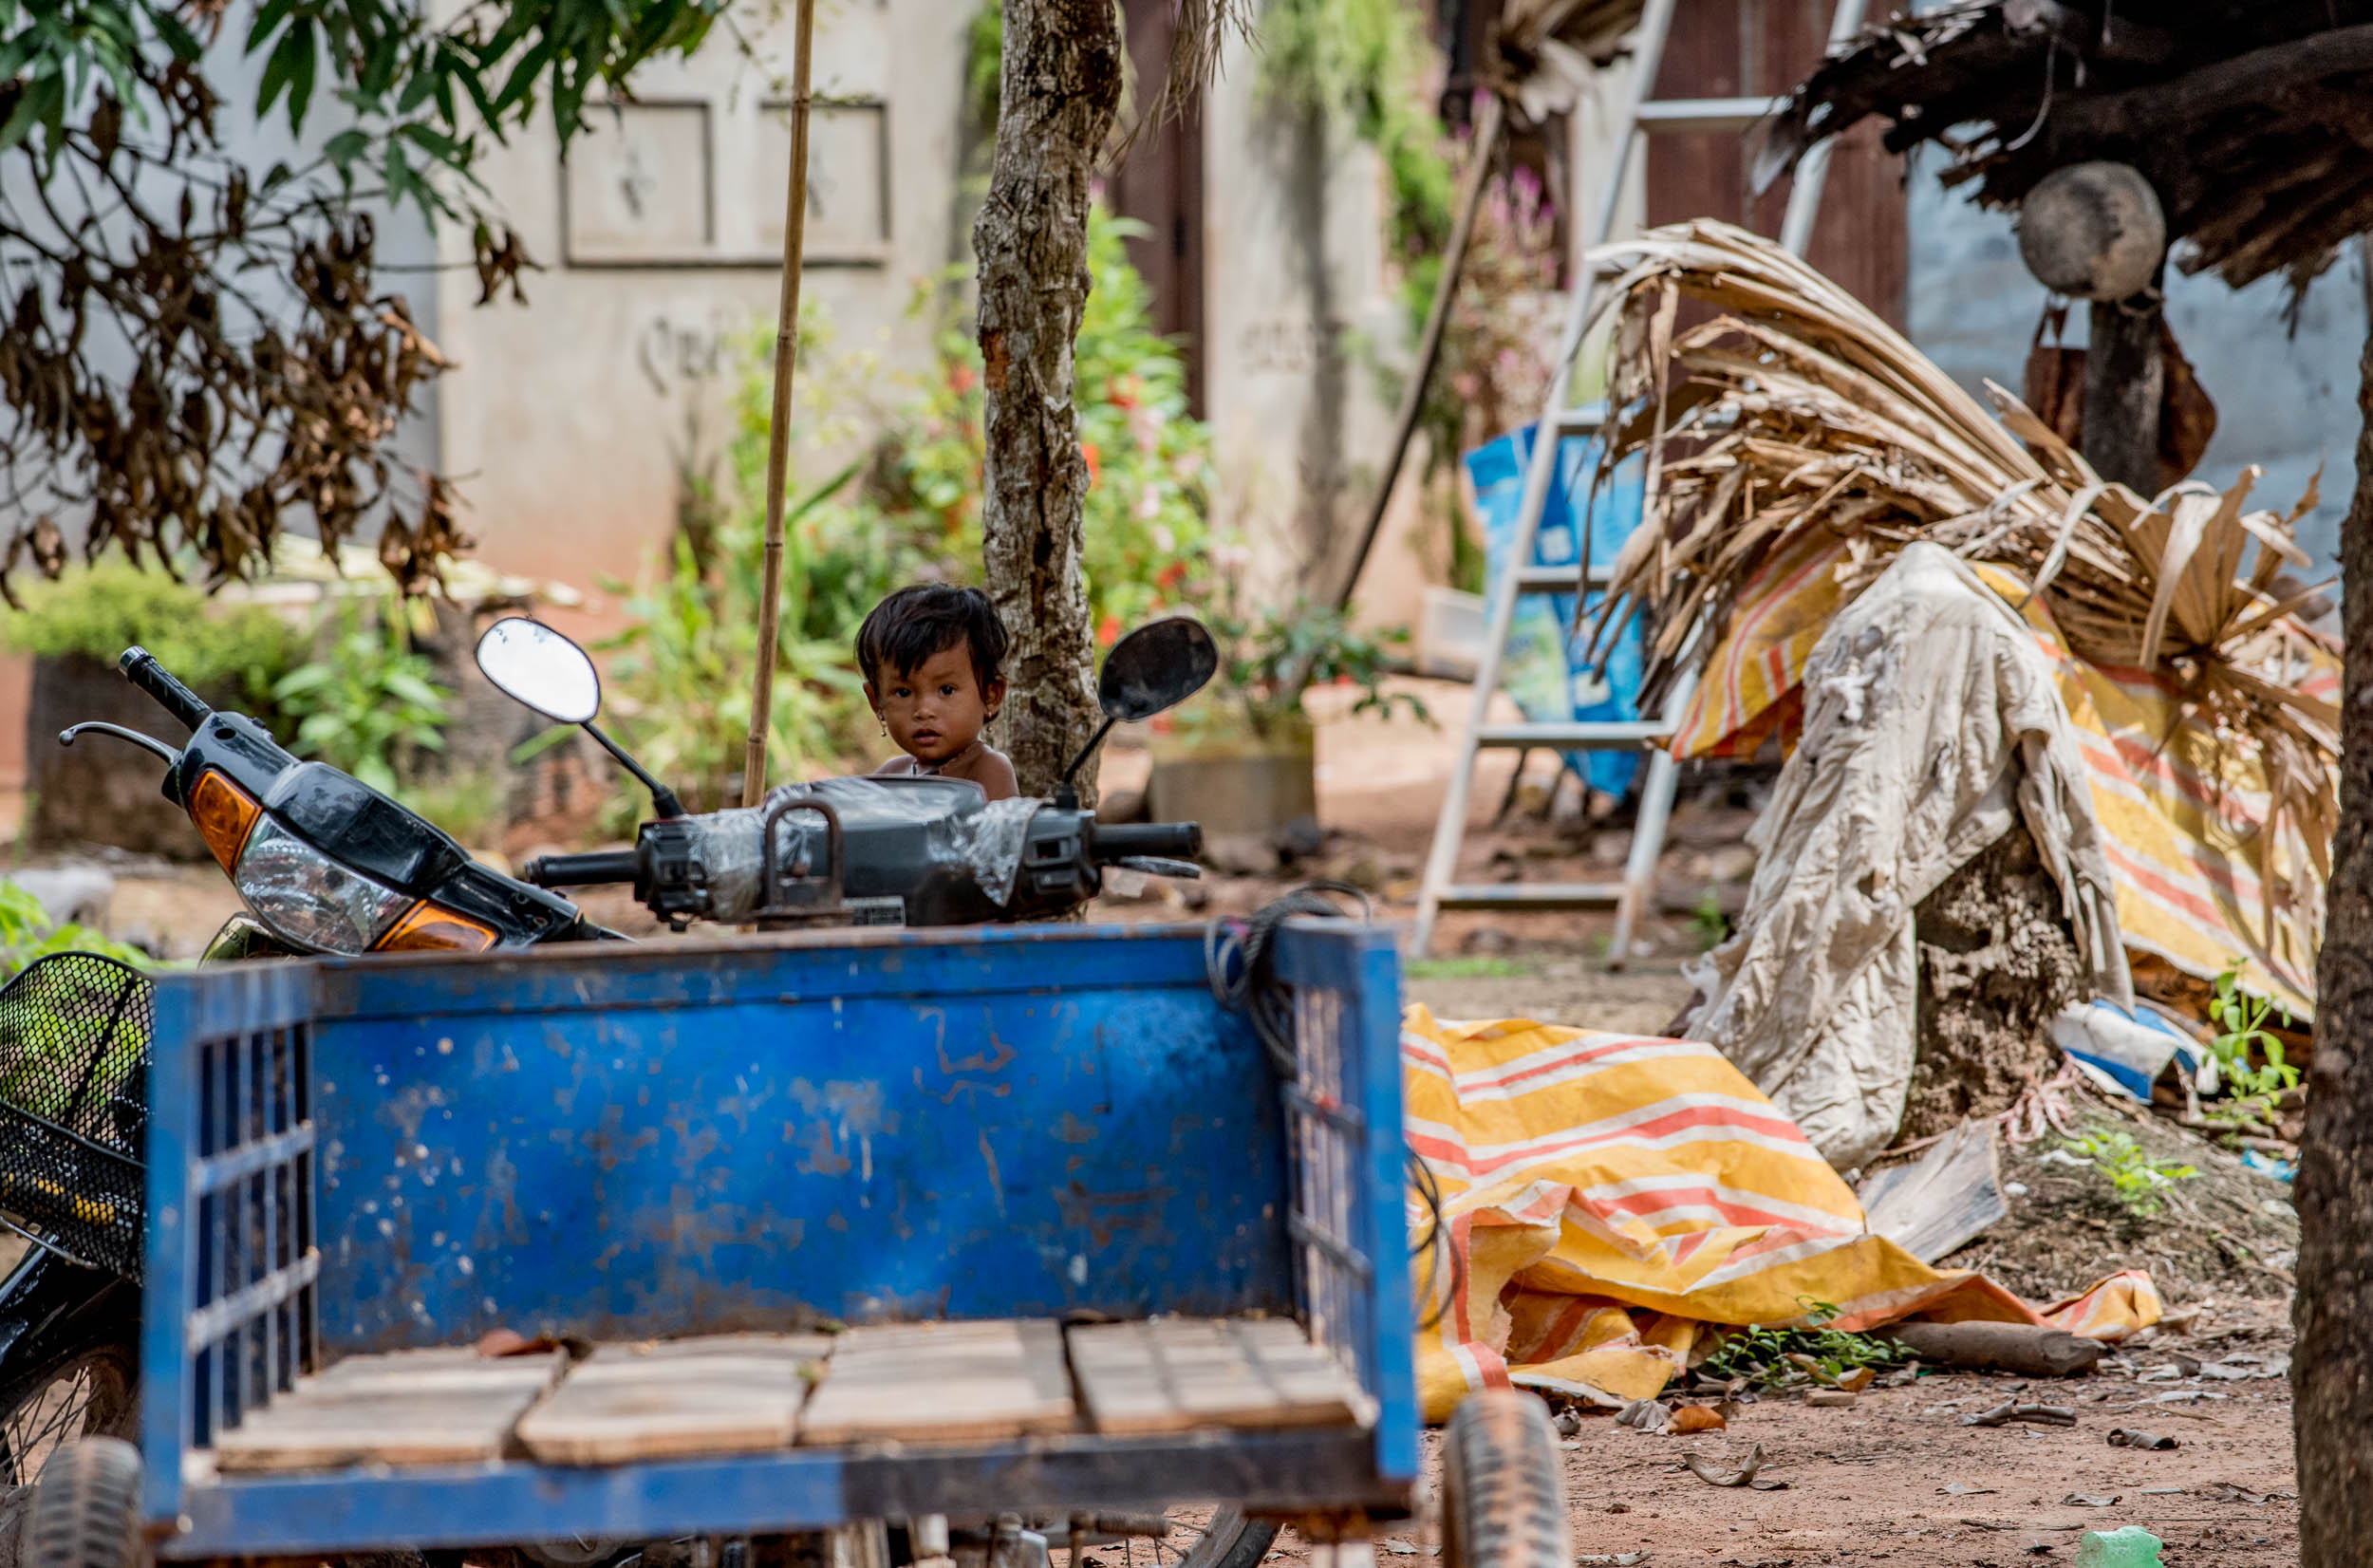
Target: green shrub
101 609
27 933
369 707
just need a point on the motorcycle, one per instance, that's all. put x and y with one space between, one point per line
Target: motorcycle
327 865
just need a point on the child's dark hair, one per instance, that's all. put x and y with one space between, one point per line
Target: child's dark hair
915 623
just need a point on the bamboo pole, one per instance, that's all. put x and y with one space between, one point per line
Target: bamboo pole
778 424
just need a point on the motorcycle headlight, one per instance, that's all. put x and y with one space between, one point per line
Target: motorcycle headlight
307 897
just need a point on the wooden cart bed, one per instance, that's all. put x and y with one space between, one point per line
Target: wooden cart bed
950 1382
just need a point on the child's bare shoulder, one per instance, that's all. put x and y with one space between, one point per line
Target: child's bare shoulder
995 774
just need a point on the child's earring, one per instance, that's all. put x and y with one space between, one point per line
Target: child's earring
885 729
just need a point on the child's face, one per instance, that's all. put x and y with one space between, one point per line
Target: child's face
938 708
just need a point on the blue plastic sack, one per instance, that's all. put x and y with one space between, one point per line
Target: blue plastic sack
1544 671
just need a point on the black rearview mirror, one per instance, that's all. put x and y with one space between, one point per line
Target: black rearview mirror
1155 667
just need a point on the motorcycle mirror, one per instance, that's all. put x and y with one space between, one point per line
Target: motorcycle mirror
535 665
1155 667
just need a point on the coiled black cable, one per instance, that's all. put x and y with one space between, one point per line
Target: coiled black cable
1239 957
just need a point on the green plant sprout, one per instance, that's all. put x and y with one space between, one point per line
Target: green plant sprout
2242 1036
1708 923
2138 1181
1775 1359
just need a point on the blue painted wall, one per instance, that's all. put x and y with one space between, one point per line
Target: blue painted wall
2286 402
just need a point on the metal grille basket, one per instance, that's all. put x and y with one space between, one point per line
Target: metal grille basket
74 1038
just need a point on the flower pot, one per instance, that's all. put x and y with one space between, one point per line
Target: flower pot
1234 783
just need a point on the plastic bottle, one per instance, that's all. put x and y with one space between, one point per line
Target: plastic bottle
2132 1547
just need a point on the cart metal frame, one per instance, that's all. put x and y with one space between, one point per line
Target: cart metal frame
625 1142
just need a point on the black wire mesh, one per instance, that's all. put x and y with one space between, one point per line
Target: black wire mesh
74 1038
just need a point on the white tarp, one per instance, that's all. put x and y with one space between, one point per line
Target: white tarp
1930 717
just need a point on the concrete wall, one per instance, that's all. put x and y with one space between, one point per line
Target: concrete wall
1299 308
574 417
2285 400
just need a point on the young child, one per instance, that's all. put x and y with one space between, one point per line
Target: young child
930 655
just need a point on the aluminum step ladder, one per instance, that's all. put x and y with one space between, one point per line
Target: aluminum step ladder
1440 890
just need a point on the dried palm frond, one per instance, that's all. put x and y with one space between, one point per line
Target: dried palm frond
1797 412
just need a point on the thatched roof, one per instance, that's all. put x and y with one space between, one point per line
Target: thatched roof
2251 118
1547 48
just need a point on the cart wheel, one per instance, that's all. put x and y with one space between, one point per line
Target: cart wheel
1502 1493
87 1392
85 1510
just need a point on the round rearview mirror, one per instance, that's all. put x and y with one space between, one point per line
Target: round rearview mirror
1155 667
535 665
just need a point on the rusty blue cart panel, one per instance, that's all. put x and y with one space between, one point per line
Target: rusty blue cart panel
614 1142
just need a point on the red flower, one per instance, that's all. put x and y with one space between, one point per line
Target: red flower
1126 391
1109 632
1095 466
1171 576
960 377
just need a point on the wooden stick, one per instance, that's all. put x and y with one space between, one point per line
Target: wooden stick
1430 343
779 425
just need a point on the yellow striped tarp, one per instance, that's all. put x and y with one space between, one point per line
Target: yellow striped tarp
2178 805
1607 1200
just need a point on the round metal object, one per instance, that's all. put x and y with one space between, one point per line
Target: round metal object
2093 230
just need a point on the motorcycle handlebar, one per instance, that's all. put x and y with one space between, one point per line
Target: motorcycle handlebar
1156 840
581 871
139 667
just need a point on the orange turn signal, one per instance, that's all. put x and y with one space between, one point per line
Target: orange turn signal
425 928
224 814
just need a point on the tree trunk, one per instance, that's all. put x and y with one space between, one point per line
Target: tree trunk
1061 85
2125 381
2332 1372
1997 963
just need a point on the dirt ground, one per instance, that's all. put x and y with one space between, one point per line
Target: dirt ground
1898 1478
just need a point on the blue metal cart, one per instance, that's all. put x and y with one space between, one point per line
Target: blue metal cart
613 1142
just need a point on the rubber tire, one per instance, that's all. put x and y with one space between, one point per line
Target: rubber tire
85 1511
1503 1489
1234 1541
123 1354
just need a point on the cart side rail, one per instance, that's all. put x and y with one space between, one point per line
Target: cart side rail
1350 1223
228 1317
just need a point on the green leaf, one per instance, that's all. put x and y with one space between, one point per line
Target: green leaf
434 142
268 19
278 69
300 74
523 77
177 36
44 103
404 684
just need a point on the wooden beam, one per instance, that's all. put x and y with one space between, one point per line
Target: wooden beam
2259 77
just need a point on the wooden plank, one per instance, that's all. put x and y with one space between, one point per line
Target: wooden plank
424 1407
942 1382
1175 1374
733 1393
426 1372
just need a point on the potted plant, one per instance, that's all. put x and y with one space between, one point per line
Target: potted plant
1243 759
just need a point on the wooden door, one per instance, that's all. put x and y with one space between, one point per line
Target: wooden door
1732 48
1160 185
